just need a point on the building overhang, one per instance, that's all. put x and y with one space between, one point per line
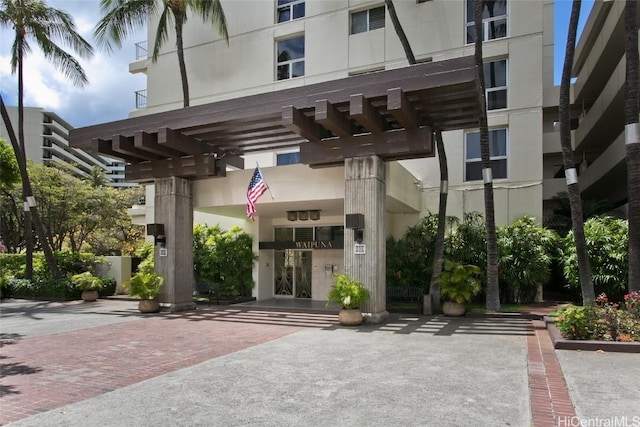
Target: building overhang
390 114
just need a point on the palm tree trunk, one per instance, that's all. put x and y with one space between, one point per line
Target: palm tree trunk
400 32
21 156
434 287
438 256
575 201
183 68
632 138
493 287
26 185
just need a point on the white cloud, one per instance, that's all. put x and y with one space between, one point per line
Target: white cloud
109 95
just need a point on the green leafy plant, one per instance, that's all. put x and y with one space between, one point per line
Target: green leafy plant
144 285
525 255
86 281
607 245
347 292
459 282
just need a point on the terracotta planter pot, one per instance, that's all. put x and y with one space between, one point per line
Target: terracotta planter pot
89 296
148 306
350 317
451 308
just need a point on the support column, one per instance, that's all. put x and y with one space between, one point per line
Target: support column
365 193
174 208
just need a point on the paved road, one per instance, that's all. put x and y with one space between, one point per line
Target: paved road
103 364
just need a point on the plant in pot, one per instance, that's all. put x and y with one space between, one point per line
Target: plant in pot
146 286
458 285
350 295
88 284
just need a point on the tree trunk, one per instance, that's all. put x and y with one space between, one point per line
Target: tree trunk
21 156
575 201
400 32
26 185
434 288
183 68
632 139
493 287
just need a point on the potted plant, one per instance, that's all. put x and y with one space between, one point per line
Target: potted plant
88 284
146 286
458 285
350 295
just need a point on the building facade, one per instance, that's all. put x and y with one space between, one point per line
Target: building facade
47 142
277 45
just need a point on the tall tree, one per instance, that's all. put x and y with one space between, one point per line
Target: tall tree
493 287
571 175
434 287
29 201
123 17
632 138
34 21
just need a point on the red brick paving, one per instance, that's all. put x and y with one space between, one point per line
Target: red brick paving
550 401
43 373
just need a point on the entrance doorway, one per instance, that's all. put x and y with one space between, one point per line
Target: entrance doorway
292 273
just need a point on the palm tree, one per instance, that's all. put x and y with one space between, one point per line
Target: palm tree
575 201
434 287
34 21
632 136
125 16
493 287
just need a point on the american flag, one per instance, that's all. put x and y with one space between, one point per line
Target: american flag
257 187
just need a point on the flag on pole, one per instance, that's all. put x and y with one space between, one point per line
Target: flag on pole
257 187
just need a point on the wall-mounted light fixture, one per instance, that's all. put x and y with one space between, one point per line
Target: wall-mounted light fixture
157 231
314 215
303 215
292 215
356 223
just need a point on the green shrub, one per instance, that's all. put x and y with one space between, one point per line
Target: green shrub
459 282
108 286
224 257
577 322
86 281
347 292
21 287
12 265
525 254
6 290
607 246
144 285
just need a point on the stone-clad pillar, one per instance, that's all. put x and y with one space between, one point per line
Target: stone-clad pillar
174 208
365 193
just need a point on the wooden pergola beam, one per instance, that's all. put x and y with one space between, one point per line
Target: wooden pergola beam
105 148
298 122
391 145
149 142
184 167
331 118
124 145
401 109
361 110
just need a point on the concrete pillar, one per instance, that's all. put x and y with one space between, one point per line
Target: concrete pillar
365 193
173 205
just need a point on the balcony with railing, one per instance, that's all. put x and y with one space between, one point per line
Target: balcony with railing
141 99
140 64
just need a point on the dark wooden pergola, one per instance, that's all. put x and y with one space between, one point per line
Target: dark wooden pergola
390 114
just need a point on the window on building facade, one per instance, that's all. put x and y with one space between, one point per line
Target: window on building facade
367 20
287 158
495 83
290 58
288 10
497 153
494 20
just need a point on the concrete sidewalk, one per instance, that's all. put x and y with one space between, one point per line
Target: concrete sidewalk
104 364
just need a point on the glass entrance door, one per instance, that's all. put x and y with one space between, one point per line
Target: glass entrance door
293 273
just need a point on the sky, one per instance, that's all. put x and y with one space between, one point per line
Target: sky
110 95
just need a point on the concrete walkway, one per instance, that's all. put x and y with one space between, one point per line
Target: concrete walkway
83 364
